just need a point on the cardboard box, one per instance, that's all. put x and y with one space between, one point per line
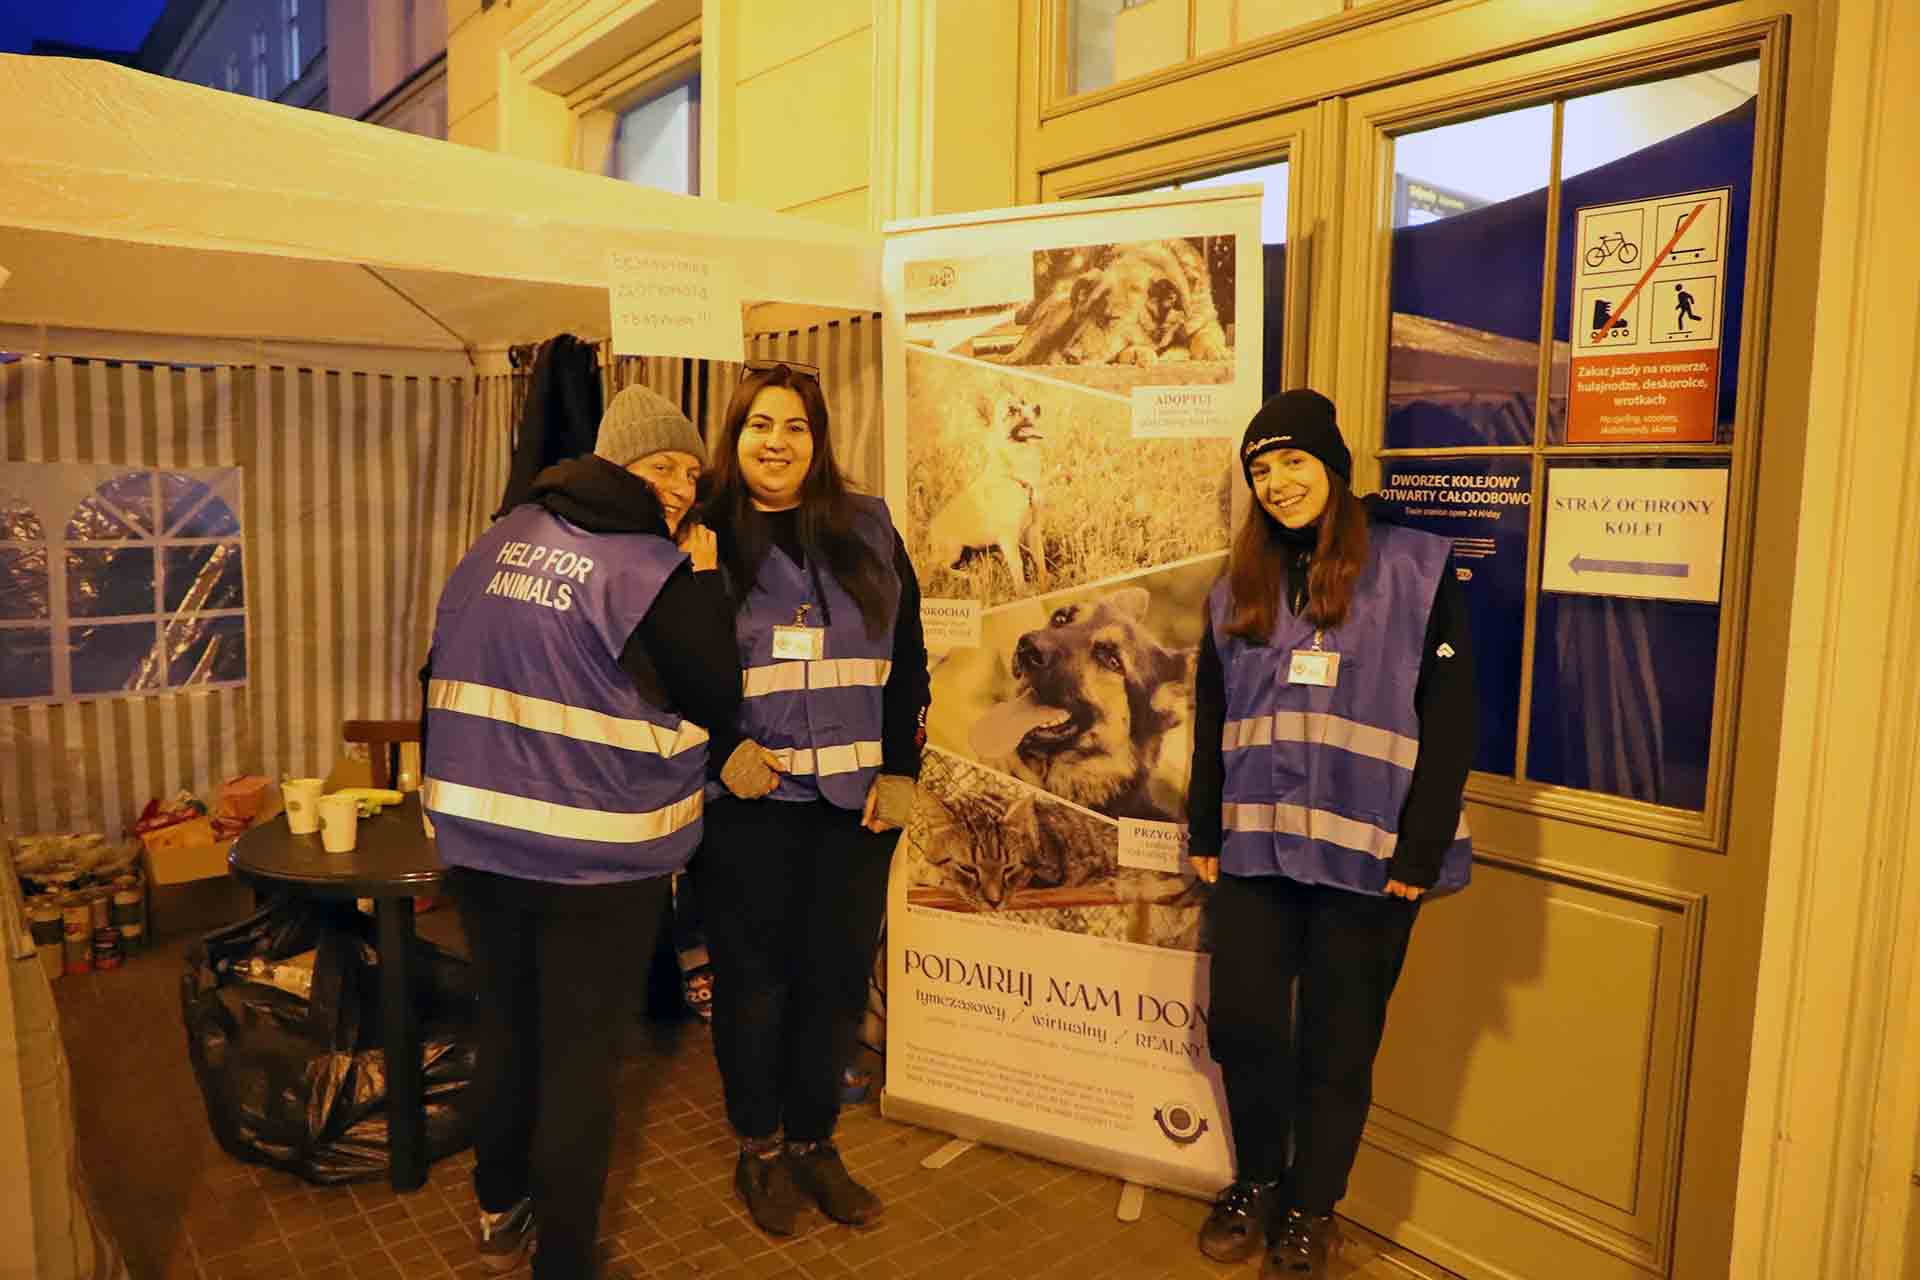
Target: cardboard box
192 906
181 863
180 835
244 797
189 888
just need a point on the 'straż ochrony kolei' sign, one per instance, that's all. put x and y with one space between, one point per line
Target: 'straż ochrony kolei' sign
1652 533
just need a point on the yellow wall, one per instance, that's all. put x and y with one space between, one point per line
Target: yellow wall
474 38
799 102
795 122
788 103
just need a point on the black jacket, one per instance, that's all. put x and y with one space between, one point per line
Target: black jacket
682 654
561 417
1444 700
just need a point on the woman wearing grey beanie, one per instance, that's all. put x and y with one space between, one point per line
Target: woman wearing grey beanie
582 669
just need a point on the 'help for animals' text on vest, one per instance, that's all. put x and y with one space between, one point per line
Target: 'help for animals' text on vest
1316 777
543 760
822 717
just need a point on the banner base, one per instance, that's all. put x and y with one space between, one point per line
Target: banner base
947 1154
1160 1175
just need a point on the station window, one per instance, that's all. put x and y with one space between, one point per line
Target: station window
656 141
1108 41
1566 307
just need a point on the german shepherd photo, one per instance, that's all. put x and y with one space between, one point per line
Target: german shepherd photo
1085 694
1097 699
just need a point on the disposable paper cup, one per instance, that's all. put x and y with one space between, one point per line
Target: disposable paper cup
339 823
302 798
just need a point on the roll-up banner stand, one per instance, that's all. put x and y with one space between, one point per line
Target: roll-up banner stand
1065 389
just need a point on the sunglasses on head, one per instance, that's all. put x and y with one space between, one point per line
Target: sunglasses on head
797 367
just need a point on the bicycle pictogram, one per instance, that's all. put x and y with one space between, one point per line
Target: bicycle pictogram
1613 244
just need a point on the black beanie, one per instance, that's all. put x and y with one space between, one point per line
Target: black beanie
1298 419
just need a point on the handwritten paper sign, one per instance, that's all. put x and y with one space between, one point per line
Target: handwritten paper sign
668 304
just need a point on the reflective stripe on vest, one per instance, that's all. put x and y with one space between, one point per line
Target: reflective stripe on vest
545 716
827 761
827 673
1316 824
1321 729
497 808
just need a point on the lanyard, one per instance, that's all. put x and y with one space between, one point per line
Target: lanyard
819 593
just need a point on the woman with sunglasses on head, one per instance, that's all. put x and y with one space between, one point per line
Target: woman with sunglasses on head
1333 730
793 873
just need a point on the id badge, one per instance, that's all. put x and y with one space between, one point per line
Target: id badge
804 644
1314 666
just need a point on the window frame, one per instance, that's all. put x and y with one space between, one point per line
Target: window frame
261 82
1055 18
1374 119
292 43
59 623
654 92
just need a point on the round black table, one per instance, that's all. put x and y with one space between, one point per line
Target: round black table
392 861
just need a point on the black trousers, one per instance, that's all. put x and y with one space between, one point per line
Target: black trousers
1311 1085
556 966
792 895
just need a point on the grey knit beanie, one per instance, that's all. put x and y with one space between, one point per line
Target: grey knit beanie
641 421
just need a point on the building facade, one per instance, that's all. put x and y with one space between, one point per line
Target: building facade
389 63
1671 1031
270 49
383 61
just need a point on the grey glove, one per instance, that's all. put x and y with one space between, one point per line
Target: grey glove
748 773
893 800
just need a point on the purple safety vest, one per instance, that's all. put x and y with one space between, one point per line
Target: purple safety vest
1316 777
823 717
543 760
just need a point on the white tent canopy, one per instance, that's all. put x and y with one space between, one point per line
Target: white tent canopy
131 204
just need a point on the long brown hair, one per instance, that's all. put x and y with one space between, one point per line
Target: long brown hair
1257 567
826 513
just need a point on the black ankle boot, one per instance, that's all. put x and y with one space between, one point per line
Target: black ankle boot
1299 1246
1238 1223
764 1184
818 1171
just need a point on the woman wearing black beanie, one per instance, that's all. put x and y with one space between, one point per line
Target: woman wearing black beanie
1333 731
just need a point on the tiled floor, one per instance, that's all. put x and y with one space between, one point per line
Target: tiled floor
181 1208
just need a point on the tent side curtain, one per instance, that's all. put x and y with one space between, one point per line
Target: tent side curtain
352 516
847 353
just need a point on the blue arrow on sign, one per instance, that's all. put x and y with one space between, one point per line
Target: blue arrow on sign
1581 564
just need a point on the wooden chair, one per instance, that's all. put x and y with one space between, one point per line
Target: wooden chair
382 739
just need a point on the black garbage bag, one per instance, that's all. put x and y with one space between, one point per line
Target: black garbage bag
283 1025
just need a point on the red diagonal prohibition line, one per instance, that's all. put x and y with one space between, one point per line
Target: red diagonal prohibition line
1685 223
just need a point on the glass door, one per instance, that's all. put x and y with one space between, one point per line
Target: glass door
1555 273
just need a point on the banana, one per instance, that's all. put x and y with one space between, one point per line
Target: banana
371 799
375 795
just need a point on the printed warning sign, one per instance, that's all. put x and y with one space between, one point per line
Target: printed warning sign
1647 307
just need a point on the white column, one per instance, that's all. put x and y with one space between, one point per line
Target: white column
1834 1093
